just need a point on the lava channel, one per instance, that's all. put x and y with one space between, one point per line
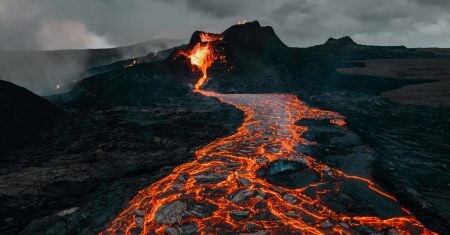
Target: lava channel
221 191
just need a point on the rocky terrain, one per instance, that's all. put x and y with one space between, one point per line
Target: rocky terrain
411 149
73 179
433 93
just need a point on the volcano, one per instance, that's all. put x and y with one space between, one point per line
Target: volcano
236 132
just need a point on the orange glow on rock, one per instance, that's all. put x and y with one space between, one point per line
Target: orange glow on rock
203 55
209 37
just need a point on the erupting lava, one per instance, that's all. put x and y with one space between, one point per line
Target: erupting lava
209 37
221 191
203 56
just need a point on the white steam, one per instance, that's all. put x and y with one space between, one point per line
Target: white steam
56 35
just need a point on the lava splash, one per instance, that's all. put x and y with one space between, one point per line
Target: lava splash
222 190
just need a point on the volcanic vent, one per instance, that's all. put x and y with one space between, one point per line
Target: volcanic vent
222 55
202 54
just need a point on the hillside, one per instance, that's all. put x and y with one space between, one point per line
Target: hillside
23 115
42 71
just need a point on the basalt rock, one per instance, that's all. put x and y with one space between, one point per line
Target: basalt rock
242 195
170 213
239 215
210 177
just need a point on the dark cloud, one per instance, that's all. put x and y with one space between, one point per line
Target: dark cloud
220 8
216 7
287 9
386 22
433 2
44 24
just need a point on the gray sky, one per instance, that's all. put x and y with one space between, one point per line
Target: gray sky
57 24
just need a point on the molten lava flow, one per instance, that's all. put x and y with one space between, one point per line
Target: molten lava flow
222 191
203 55
202 58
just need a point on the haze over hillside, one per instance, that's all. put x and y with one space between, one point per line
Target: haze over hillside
49 72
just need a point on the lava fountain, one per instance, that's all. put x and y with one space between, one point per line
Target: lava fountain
221 191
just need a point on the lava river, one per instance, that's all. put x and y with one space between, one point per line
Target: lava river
222 190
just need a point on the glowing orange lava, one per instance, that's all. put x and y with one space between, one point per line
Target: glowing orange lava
209 37
221 191
203 56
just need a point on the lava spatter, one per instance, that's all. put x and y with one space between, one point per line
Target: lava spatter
221 191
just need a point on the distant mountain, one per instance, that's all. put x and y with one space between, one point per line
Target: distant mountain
253 36
23 115
344 41
47 72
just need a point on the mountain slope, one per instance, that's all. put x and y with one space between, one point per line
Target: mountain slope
23 115
42 71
